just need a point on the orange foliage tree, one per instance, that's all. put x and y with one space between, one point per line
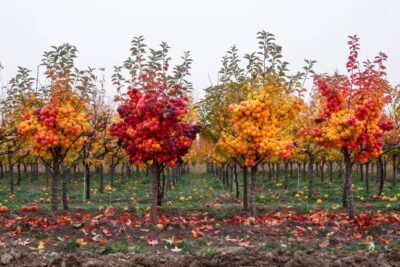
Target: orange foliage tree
351 117
260 125
56 130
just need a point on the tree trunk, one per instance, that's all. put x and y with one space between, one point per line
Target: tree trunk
25 170
10 171
66 174
277 172
174 174
253 195
286 175
273 169
47 174
384 170
1 171
101 173
291 169
36 173
112 174
129 171
263 170
331 171
348 183
161 189
54 183
19 173
367 178
232 180
340 165
311 158
322 172
245 189
269 172
154 186
394 171
169 180
227 174
361 172
87 181
74 170
298 176
32 170
380 175
236 181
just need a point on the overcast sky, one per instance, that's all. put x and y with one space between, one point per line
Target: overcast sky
102 31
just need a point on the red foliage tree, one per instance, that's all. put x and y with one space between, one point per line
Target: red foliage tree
152 130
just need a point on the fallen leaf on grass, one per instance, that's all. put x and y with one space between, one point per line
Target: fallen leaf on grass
300 229
357 235
18 230
176 249
23 243
152 241
227 238
39 246
81 242
244 243
196 232
324 244
169 240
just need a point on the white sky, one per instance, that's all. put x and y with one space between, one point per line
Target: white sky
102 31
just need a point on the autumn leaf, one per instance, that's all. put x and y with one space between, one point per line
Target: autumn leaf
357 235
169 240
194 233
40 245
244 243
81 242
18 230
176 249
153 242
324 244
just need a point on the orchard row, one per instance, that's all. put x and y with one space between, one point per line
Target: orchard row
259 113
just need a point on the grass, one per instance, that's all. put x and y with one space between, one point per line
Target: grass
120 247
271 245
206 194
203 192
210 250
70 244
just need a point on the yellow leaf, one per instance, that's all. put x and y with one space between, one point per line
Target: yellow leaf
40 245
81 242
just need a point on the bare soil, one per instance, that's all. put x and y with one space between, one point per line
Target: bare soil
242 257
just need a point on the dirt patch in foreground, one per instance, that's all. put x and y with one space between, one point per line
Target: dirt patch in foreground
244 257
